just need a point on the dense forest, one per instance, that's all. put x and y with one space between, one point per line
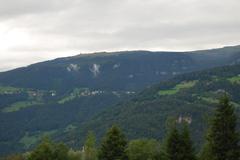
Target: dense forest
192 96
66 97
221 143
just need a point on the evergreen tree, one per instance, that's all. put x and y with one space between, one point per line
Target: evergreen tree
179 145
90 152
223 138
43 151
114 145
144 149
47 150
60 151
173 144
186 145
74 155
206 153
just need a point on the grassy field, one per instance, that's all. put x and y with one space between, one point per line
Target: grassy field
75 94
9 90
177 88
209 100
235 79
20 105
216 101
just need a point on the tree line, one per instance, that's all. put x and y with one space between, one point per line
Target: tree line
221 143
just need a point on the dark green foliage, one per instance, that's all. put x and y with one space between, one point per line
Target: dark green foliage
90 151
173 144
52 116
60 152
74 155
48 150
179 145
145 114
223 138
187 149
14 157
114 145
144 149
206 153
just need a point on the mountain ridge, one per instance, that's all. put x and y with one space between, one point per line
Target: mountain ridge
109 53
54 97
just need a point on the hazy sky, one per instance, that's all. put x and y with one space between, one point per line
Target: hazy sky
37 30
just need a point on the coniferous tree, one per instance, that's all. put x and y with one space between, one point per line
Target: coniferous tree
43 151
206 153
60 151
173 144
178 144
144 149
74 155
186 145
90 152
114 145
48 150
223 139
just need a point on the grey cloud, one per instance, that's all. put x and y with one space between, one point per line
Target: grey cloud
15 8
73 26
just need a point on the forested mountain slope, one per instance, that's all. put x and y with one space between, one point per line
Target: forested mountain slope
56 97
116 70
190 97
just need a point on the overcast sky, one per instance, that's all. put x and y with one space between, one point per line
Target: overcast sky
37 30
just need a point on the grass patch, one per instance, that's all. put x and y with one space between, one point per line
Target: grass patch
177 88
77 92
9 90
209 100
70 127
235 79
216 101
28 140
20 105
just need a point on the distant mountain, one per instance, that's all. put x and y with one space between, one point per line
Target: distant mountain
128 70
56 97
